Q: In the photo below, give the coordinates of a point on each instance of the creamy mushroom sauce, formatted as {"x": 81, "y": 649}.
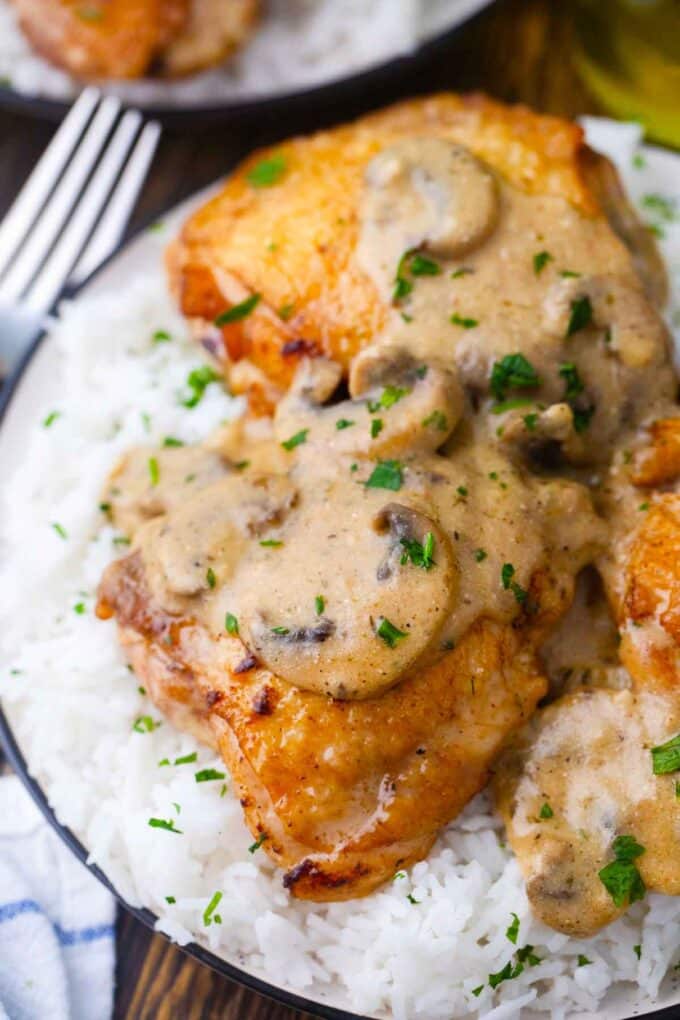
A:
{"x": 317, "y": 543}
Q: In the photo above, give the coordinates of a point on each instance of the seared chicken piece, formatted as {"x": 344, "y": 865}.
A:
{"x": 582, "y": 775}
{"x": 129, "y": 38}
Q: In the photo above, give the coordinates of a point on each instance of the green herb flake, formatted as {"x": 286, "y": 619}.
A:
{"x": 285, "y": 312}
{"x": 281, "y": 631}
{"x": 154, "y": 471}
{"x": 296, "y": 440}
{"x": 387, "y": 474}
{"x": 238, "y": 312}
{"x": 60, "y": 529}
{"x": 638, "y": 951}
{"x": 666, "y": 757}
{"x": 105, "y": 508}
{"x": 569, "y": 274}
{"x": 546, "y": 811}
{"x": 231, "y": 624}
{"x": 161, "y": 336}
{"x": 506, "y": 974}
{"x": 527, "y": 955}
{"x": 399, "y": 875}
{"x": 170, "y": 900}
{"x": 390, "y": 634}
{"x": 462, "y": 491}
{"x": 511, "y": 405}
{"x": 420, "y": 555}
{"x": 639, "y": 162}
{"x": 530, "y": 421}
{"x": 480, "y": 555}
{"x": 416, "y": 264}
{"x": 344, "y": 423}
{"x": 161, "y": 823}
{"x": 580, "y": 316}
{"x": 663, "y": 207}
{"x": 145, "y": 724}
{"x": 644, "y": 506}
{"x": 620, "y": 877}
{"x": 583, "y": 961}
{"x": 267, "y": 172}
{"x": 463, "y": 271}
{"x": 573, "y": 382}
{"x": 436, "y": 420}
{"x": 411, "y": 898}
{"x": 198, "y": 381}
{"x": 541, "y": 260}
{"x": 463, "y": 321}
{"x": 241, "y": 465}
{"x": 208, "y": 775}
{"x": 186, "y": 759}
{"x": 513, "y": 372}
{"x": 319, "y": 604}
{"x": 162, "y": 762}
{"x": 508, "y": 582}
{"x": 271, "y": 543}
{"x": 79, "y": 608}
{"x": 257, "y": 844}
{"x": 421, "y": 265}
{"x": 478, "y": 991}
{"x": 51, "y": 418}
{"x": 388, "y": 398}
{"x": 172, "y": 442}
{"x": 209, "y": 916}
{"x": 376, "y": 427}
{"x": 513, "y": 929}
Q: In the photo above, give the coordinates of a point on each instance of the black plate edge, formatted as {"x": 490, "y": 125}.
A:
{"x": 370, "y": 80}
{"x": 147, "y": 917}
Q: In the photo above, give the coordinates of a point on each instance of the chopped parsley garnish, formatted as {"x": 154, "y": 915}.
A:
{"x": 207, "y": 775}
{"x": 638, "y": 951}
{"x": 257, "y": 844}
{"x": 416, "y": 264}
{"x": 666, "y": 757}
{"x": 513, "y": 372}
{"x": 580, "y": 316}
{"x": 51, "y": 418}
{"x": 480, "y": 554}
{"x": 285, "y": 312}
{"x": 231, "y": 624}
{"x": 387, "y": 474}
{"x": 209, "y": 915}
{"x": 198, "y": 381}
{"x": 161, "y": 823}
{"x": 421, "y": 372}
{"x": 581, "y": 418}
{"x": 583, "y": 961}
{"x": 462, "y": 491}
{"x": 240, "y": 311}
{"x": 478, "y": 991}
{"x": 105, "y": 508}
{"x": 420, "y": 555}
{"x": 60, "y": 529}
{"x": 79, "y": 608}
{"x": 436, "y": 420}
{"x": 390, "y": 634}
{"x": 399, "y": 874}
{"x": 569, "y": 274}
{"x": 186, "y": 759}
{"x": 344, "y": 423}
{"x": 462, "y": 320}
{"x": 121, "y": 540}
{"x": 267, "y": 172}
{"x": 620, "y": 877}
{"x": 665, "y": 208}
{"x": 161, "y": 336}
{"x": 639, "y": 161}
{"x": 526, "y": 955}
{"x": 319, "y": 604}
{"x": 506, "y": 974}
{"x": 507, "y": 575}
{"x": 573, "y": 387}
{"x": 296, "y": 440}
{"x": 241, "y": 465}
{"x": 145, "y": 724}
{"x": 170, "y": 900}
{"x": 546, "y": 811}
{"x": 510, "y": 405}
{"x": 271, "y": 543}
{"x": 154, "y": 471}
{"x": 411, "y": 898}
{"x": 171, "y": 441}
{"x": 281, "y": 631}
{"x": 513, "y": 930}
{"x": 463, "y": 271}
{"x": 389, "y": 396}
{"x": 530, "y": 421}
{"x": 573, "y": 381}
{"x": 541, "y": 260}
{"x": 376, "y": 427}
{"x": 210, "y": 577}
{"x": 644, "y": 506}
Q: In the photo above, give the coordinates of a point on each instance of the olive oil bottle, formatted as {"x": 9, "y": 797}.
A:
{"x": 628, "y": 53}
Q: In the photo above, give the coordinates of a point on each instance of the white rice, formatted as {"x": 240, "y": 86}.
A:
{"x": 298, "y": 44}
{"x": 72, "y": 704}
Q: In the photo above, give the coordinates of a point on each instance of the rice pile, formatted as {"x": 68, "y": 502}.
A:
{"x": 298, "y": 44}
{"x": 421, "y": 947}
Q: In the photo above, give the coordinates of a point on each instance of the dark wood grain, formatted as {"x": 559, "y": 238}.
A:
{"x": 517, "y": 50}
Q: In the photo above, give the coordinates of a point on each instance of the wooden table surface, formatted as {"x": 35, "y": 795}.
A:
{"x": 517, "y": 50}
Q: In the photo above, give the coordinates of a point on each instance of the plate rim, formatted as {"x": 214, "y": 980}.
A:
{"x": 20, "y": 767}
{"x": 344, "y": 86}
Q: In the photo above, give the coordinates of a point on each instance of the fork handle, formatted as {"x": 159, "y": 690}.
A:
{"x": 19, "y": 327}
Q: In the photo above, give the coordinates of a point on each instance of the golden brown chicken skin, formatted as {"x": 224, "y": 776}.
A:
{"x": 130, "y": 38}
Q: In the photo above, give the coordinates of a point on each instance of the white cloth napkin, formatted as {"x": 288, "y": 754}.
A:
{"x": 56, "y": 922}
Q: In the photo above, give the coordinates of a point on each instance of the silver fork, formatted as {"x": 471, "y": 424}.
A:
{"x": 70, "y": 214}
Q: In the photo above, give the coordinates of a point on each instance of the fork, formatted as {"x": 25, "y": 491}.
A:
{"x": 70, "y": 214}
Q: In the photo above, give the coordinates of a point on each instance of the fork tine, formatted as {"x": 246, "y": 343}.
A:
{"x": 112, "y": 225}
{"x": 31, "y": 198}
{"x": 60, "y": 203}
{"x": 50, "y": 279}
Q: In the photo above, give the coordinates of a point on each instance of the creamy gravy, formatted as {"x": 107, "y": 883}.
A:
{"x": 349, "y": 541}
